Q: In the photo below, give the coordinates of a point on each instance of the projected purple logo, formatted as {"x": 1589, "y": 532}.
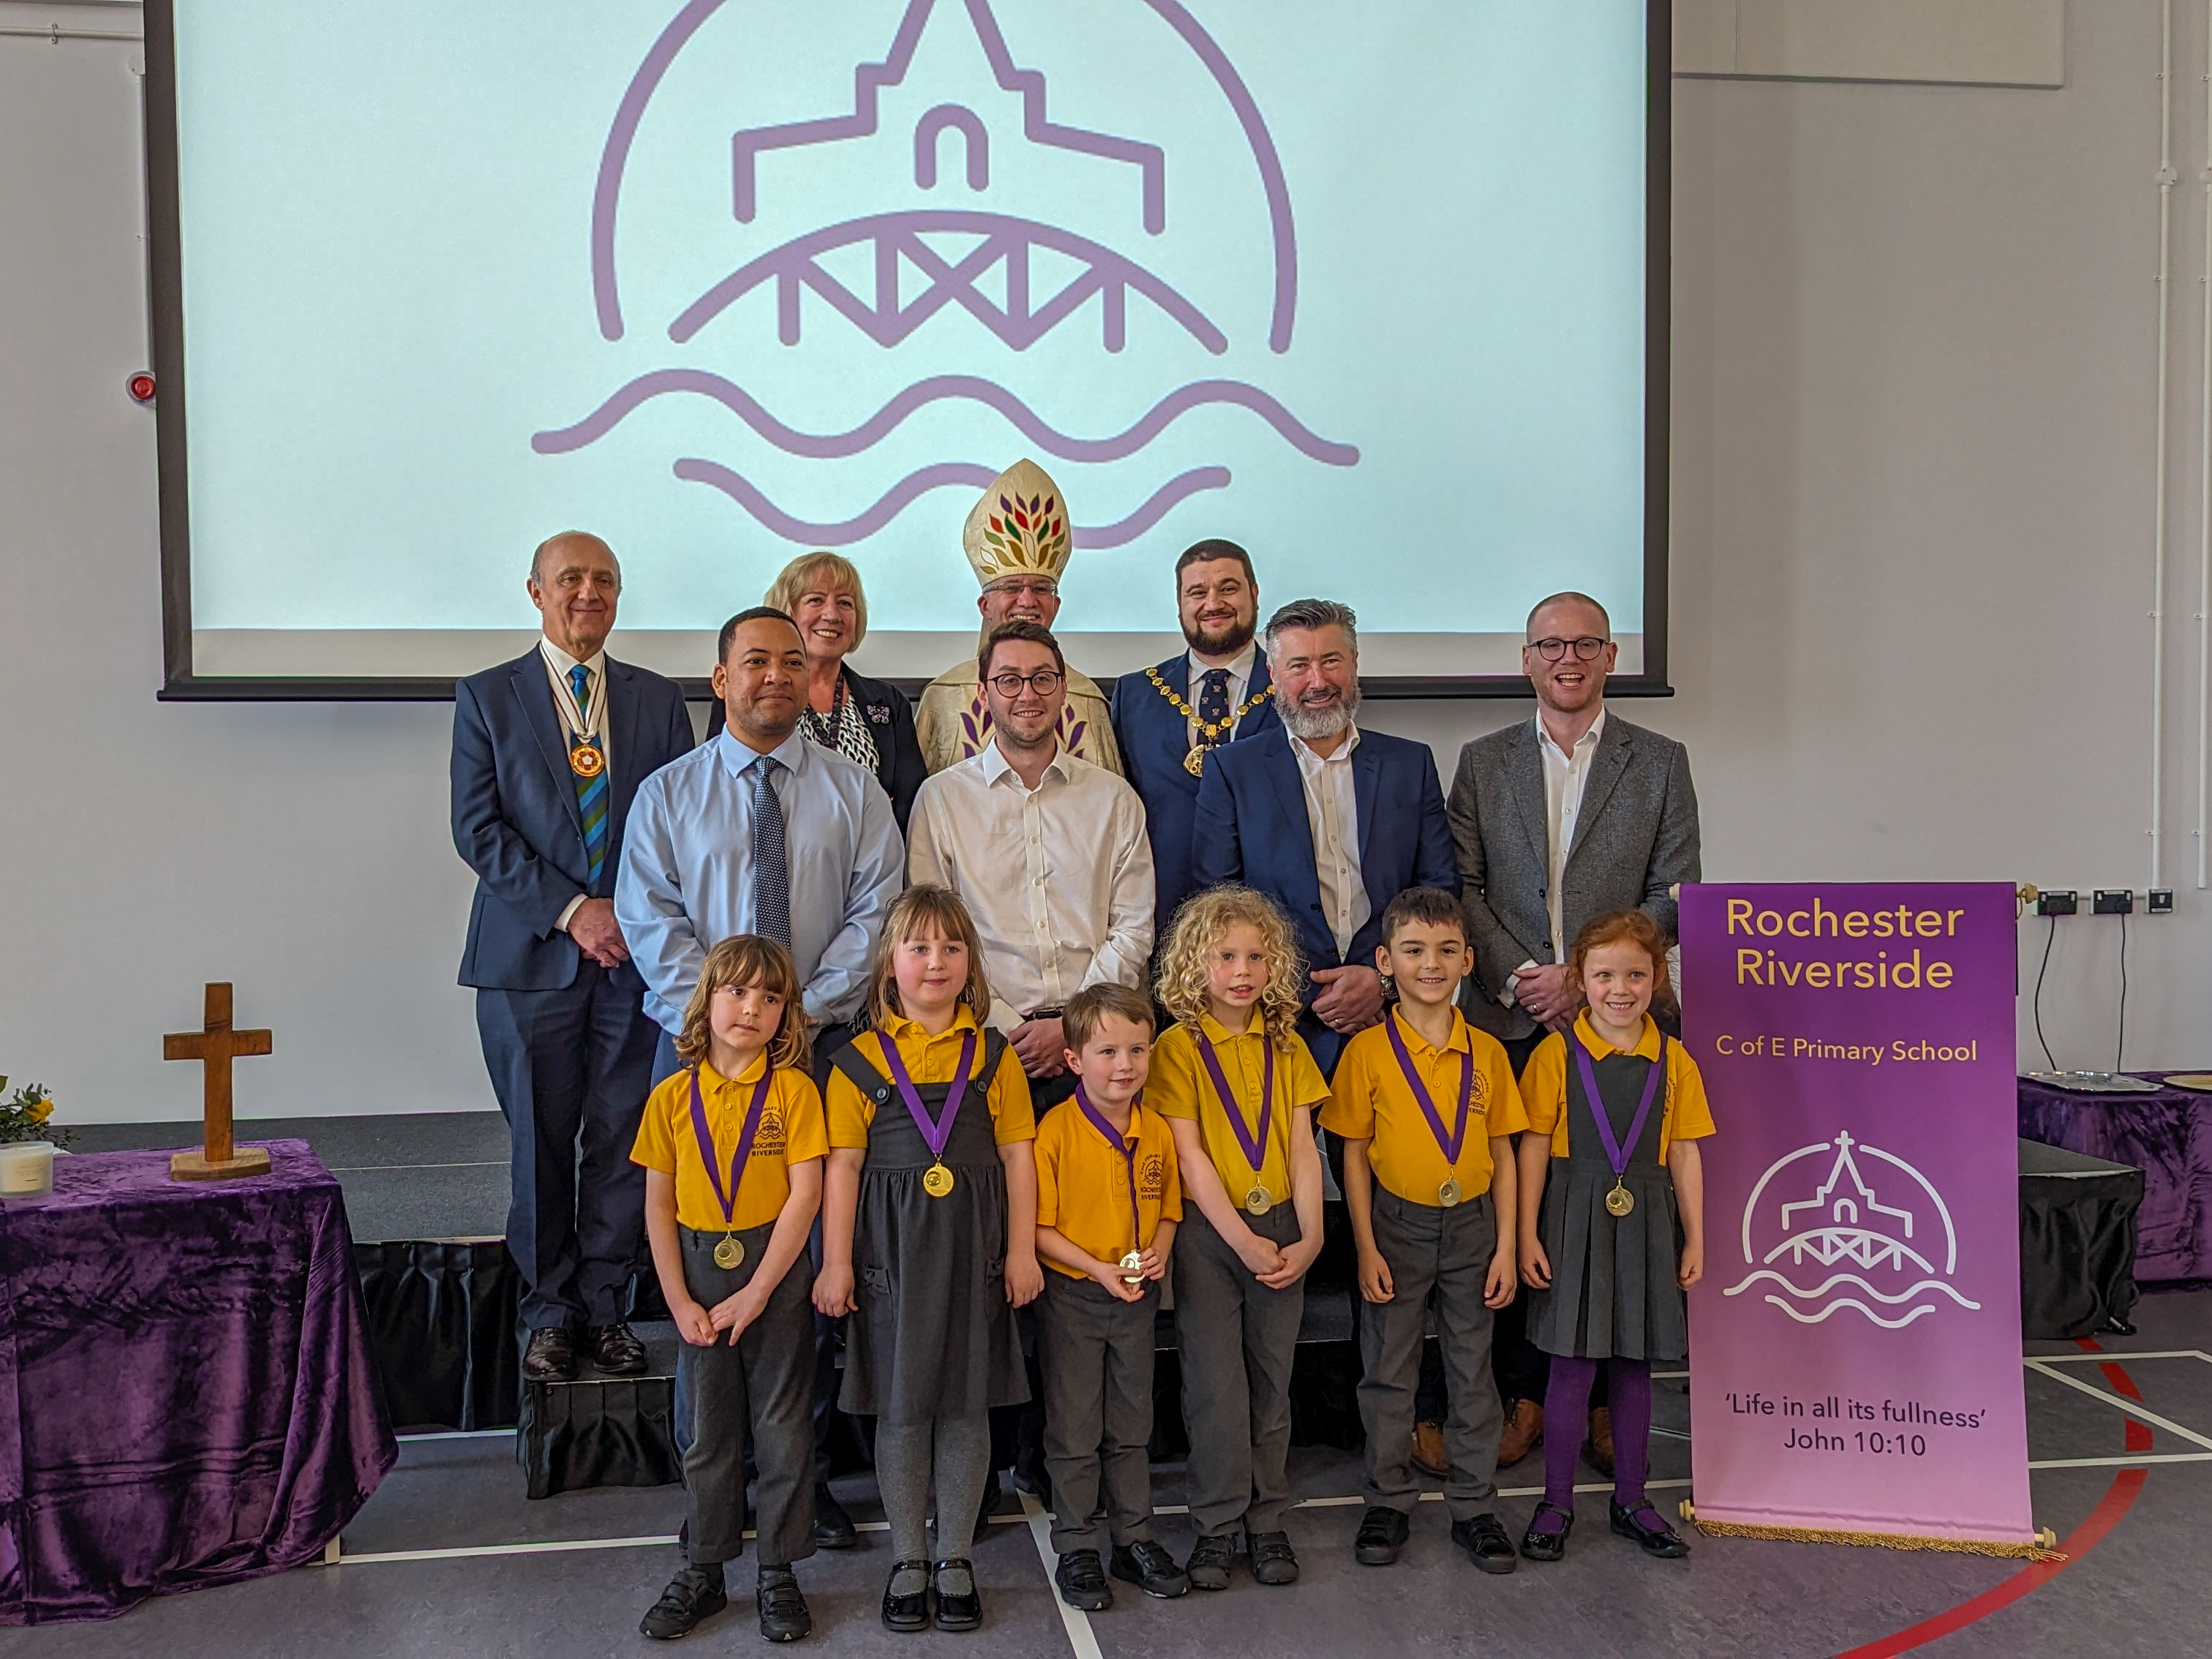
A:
{"x": 987, "y": 274}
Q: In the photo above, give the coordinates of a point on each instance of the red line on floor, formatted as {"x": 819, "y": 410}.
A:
{"x": 2119, "y": 1499}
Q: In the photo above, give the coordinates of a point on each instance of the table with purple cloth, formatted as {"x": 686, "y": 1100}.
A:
{"x": 187, "y": 1393}
{"x": 2167, "y": 1135}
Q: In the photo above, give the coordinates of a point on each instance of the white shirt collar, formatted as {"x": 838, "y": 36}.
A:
{"x": 564, "y": 663}
{"x": 1308, "y": 757}
{"x": 995, "y": 765}
{"x": 1588, "y": 740}
{"x": 1240, "y": 667}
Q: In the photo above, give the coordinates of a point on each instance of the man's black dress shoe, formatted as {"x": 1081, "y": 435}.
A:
{"x": 1650, "y": 1531}
{"x": 907, "y": 1613}
{"x": 1382, "y": 1535}
{"x": 1207, "y": 1568}
{"x": 1149, "y": 1566}
{"x": 1273, "y": 1560}
{"x": 696, "y": 1593}
{"x": 1539, "y": 1545}
{"x": 833, "y": 1527}
{"x": 783, "y": 1615}
{"x": 615, "y": 1350}
{"x": 1485, "y": 1543}
{"x": 551, "y": 1355}
{"x": 1081, "y": 1582}
{"x": 956, "y": 1611}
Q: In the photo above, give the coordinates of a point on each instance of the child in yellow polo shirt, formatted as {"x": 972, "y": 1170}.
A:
{"x": 733, "y": 1148}
{"x": 1237, "y": 1083}
{"x": 1108, "y": 1203}
{"x": 1426, "y": 1108}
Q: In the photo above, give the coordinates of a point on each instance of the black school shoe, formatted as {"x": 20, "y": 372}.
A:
{"x": 907, "y": 1613}
{"x": 1149, "y": 1566}
{"x": 783, "y": 1609}
{"x": 1081, "y": 1582}
{"x": 956, "y": 1611}
{"x": 833, "y": 1527}
{"x": 1547, "y": 1546}
{"x": 1485, "y": 1543}
{"x": 1207, "y": 1568}
{"x": 694, "y": 1594}
{"x": 1382, "y": 1535}
{"x": 1274, "y": 1561}
{"x": 1650, "y": 1529}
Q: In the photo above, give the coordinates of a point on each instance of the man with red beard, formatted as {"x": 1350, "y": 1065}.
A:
{"x": 1169, "y": 718}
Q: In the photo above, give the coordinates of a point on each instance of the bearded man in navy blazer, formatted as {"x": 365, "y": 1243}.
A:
{"x": 548, "y": 751}
{"x": 1331, "y": 822}
{"x": 1169, "y": 719}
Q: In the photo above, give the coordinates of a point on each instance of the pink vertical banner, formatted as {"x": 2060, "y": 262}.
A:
{"x": 1854, "y": 1344}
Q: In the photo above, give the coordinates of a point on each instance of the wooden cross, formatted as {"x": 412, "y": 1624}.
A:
{"x": 215, "y": 1046}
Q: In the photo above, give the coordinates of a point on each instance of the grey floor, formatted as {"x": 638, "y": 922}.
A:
{"x": 450, "y": 1559}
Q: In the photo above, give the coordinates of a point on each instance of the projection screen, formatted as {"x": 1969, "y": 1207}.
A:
{"x": 1378, "y": 291}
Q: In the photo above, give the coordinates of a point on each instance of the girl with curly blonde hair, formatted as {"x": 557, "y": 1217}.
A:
{"x": 1239, "y": 1089}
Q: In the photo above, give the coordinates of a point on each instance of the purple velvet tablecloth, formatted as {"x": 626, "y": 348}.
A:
{"x": 187, "y": 1393}
{"x": 2168, "y": 1136}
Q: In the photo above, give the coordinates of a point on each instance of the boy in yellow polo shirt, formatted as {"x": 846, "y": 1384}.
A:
{"x": 1108, "y": 1203}
{"x": 1426, "y": 1106}
{"x": 732, "y": 1147}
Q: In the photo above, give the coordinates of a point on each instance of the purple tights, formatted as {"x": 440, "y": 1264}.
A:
{"x": 1567, "y": 1405}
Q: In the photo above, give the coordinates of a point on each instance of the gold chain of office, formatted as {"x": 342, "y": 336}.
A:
{"x": 1210, "y": 732}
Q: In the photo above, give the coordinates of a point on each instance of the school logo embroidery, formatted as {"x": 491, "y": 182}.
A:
{"x": 1152, "y": 1176}
{"x": 983, "y": 206}
{"x": 1808, "y": 1221}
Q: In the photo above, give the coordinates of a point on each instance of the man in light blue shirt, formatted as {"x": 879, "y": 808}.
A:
{"x": 814, "y": 861}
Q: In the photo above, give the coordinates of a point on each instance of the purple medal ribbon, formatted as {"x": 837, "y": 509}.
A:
{"x": 1613, "y": 1152}
{"x": 743, "y": 1156}
{"x": 1449, "y": 1143}
{"x": 935, "y": 1132}
{"x": 1128, "y": 1158}
{"x": 1254, "y": 1146}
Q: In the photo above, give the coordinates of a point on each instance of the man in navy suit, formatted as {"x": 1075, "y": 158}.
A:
{"x": 1332, "y": 821}
{"x": 1169, "y": 719}
{"x": 548, "y": 751}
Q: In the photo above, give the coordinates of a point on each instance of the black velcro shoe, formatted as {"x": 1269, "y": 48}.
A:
{"x": 1543, "y": 1545}
{"x": 1207, "y": 1568}
{"x": 956, "y": 1611}
{"x": 907, "y": 1613}
{"x": 1274, "y": 1561}
{"x": 615, "y": 1350}
{"x": 1650, "y": 1529}
{"x": 551, "y": 1356}
{"x": 695, "y": 1594}
{"x": 1485, "y": 1543}
{"x": 1382, "y": 1535}
{"x": 1082, "y": 1582}
{"x": 1149, "y": 1566}
{"x": 783, "y": 1615}
{"x": 833, "y": 1527}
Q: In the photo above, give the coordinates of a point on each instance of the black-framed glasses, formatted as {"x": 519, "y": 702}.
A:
{"x": 1044, "y": 682}
{"x": 1586, "y": 648}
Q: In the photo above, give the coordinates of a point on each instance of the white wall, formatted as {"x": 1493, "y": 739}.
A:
{"x": 1913, "y": 413}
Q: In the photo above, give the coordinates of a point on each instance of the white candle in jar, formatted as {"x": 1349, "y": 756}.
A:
{"x": 26, "y": 1168}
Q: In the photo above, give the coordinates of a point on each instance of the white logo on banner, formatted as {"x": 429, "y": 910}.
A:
{"x": 1844, "y": 1222}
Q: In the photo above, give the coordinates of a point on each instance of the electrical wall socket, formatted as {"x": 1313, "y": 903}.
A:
{"x": 2162, "y": 901}
{"x": 2060, "y": 902}
{"x": 2114, "y": 902}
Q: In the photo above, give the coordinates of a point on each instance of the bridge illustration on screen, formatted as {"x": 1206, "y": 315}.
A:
{"x": 1876, "y": 1239}
{"x": 1005, "y": 263}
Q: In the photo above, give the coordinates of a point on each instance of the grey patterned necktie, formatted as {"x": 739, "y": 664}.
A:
{"x": 771, "y": 867}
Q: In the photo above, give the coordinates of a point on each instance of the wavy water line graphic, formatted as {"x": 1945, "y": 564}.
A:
{"x": 941, "y": 388}
{"x": 1834, "y": 1280}
{"x": 1850, "y": 1302}
{"x": 944, "y": 475}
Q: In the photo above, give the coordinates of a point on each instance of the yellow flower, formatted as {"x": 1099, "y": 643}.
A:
{"x": 39, "y": 1108}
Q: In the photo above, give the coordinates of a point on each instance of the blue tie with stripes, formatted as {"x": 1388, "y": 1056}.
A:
{"x": 591, "y": 792}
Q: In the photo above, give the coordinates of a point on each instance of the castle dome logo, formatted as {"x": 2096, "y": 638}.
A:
{"x": 1873, "y": 1225}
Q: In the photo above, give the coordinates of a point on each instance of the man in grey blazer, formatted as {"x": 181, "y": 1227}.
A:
{"x": 1556, "y": 820}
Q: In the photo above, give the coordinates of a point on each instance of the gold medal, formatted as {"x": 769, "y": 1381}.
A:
{"x": 585, "y": 760}
{"x": 937, "y": 1180}
{"x": 1619, "y": 1200}
{"x": 1194, "y": 762}
{"x": 1256, "y": 1202}
{"x": 1132, "y": 1268}
{"x": 729, "y": 1254}
{"x": 1449, "y": 1194}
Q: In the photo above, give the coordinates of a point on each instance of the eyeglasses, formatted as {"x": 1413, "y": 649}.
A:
{"x": 1044, "y": 682}
{"x": 1586, "y": 649}
{"x": 1040, "y": 587}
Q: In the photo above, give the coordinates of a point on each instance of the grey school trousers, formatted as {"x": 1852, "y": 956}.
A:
{"x": 1097, "y": 1355}
{"x": 1237, "y": 1339}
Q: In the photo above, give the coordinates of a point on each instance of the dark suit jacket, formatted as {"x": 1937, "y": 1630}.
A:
{"x": 1251, "y": 827}
{"x": 1154, "y": 739}
{"x": 1636, "y": 836}
{"x": 890, "y": 716}
{"x": 516, "y": 823}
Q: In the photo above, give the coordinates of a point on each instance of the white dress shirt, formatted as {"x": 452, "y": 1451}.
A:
{"x": 1333, "y": 815}
{"x": 1059, "y": 878}
{"x": 1240, "y": 679}
{"x": 588, "y": 721}
{"x": 1564, "y": 775}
